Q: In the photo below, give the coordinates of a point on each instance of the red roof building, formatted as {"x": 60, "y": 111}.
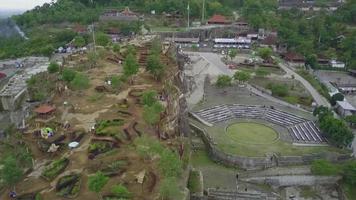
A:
{"x": 218, "y": 19}
{"x": 44, "y": 111}
{"x": 79, "y": 29}
{"x": 270, "y": 40}
{"x": 294, "y": 57}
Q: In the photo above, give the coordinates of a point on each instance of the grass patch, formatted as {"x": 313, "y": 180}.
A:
{"x": 109, "y": 127}
{"x": 350, "y": 190}
{"x": 252, "y": 133}
{"x": 201, "y": 158}
{"x": 95, "y": 97}
{"x": 325, "y": 168}
{"x": 288, "y": 90}
{"x": 194, "y": 182}
{"x": 55, "y": 168}
{"x": 308, "y": 192}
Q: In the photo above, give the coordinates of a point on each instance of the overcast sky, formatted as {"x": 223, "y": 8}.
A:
{"x": 21, "y": 4}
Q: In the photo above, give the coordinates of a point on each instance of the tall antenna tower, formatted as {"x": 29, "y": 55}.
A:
{"x": 188, "y": 8}
{"x": 203, "y": 12}
{"x": 93, "y": 30}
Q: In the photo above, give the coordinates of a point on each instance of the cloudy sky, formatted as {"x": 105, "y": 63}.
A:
{"x": 21, "y": 4}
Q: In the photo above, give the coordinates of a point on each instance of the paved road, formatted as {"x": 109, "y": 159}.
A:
{"x": 215, "y": 60}
{"x": 318, "y": 98}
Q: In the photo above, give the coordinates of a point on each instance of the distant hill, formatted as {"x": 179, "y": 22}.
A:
{"x": 4, "y": 13}
{"x": 8, "y": 28}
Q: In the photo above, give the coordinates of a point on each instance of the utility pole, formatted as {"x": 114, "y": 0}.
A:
{"x": 188, "y": 8}
{"x": 93, "y": 30}
{"x": 203, "y": 13}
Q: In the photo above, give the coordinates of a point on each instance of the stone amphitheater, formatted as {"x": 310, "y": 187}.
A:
{"x": 301, "y": 130}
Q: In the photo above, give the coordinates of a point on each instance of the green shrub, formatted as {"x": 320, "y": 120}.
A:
{"x": 324, "y": 168}
{"x": 194, "y": 182}
{"x": 97, "y": 181}
{"x": 149, "y": 98}
{"x": 336, "y": 97}
{"x": 116, "y": 48}
{"x": 55, "y": 168}
{"x": 102, "y": 39}
{"x": 120, "y": 191}
{"x": 223, "y": 81}
{"x": 170, "y": 164}
{"x": 68, "y": 75}
{"x": 116, "y": 82}
{"x": 80, "y": 82}
{"x": 53, "y": 67}
{"x": 279, "y": 90}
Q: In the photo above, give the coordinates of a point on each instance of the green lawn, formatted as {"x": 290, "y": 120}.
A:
{"x": 225, "y": 143}
{"x": 194, "y": 182}
{"x": 350, "y": 191}
{"x": 251, "y": 133}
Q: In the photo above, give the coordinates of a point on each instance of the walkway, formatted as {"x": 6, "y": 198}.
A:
{"x": 318, "y": 98}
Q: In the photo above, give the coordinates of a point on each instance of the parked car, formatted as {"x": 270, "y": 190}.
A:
{"x": 2, "y": 75}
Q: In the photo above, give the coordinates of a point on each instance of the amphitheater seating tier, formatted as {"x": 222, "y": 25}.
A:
{"x": 300, "y": 129}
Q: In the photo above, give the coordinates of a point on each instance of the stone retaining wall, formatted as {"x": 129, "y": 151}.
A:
{"x": 253, "y": 163}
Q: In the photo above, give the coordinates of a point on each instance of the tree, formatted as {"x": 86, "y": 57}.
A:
{"x": 322, "y": 111}
{"x": 79, "y": 41}
{"x": 335, "y": 130}
{"x": 154, "y": 66}
{"x": 130, "y": 65}
{"x": 170, "y": 164}
{"x": 53, "y": 67}
{"x": 149, "y": 98}
{"x": 242, "y": 76}
{"x": 223, "y": 81}
{"x": 336, "y": 97}
{"x": 152, "y": 114}
{"x": 120, "y": 191}
{"x": 265, "y": 52}
{"x": 68, "y": 74}
{"x": 232, "y": 53}
{"x": 97, "y": 181}
{"x": 11, "y": 173}
{"x": 80, "y": 82}
{"x": 311, "y": 61}
{"x": 102, "y": 39}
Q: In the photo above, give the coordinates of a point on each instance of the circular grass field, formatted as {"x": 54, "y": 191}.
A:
{"x": 251, "y": 133}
